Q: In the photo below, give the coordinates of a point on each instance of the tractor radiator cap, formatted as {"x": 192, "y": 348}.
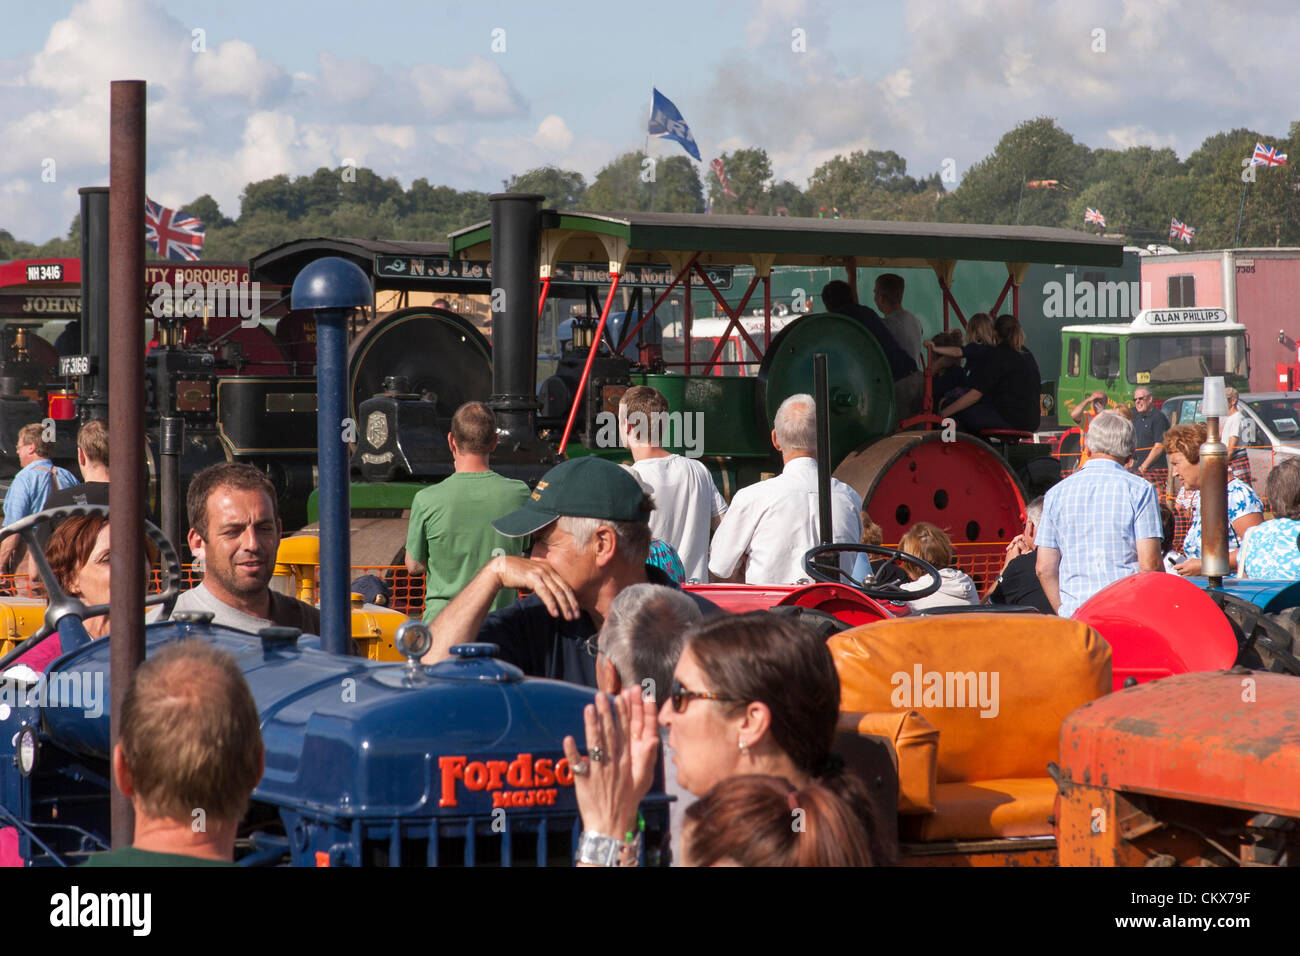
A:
{"x": 274, "y": 638}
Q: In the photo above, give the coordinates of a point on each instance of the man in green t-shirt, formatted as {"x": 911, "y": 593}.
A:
{"x": 188, "y": 757}
{"x": 451, "y": 535}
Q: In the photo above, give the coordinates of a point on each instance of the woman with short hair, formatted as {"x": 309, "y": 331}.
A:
{"x": 1245, "y": 510}
{"x": 1271, "y": 551}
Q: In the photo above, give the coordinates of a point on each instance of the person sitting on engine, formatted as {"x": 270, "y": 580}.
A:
{"x": 235, "y": 533}
{"x": 1271, "y": 551}
{"x": 1004, "y": 386}
{"x": 909, "y": 381}
{"x": 188, "y": 757}
{"x": 931, "y": 544}
{"x": 589, "y": 522}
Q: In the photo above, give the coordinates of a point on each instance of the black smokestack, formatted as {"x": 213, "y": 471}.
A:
{"x": 516, "y": 260}
{"x": 94, "y": 299}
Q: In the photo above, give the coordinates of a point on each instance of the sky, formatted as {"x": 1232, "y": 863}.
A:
{"x": 466, "y": 94}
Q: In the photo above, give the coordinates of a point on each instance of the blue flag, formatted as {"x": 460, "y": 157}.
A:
{"x": 666, "y": 121}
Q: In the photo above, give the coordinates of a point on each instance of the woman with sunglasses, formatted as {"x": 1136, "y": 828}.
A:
{"x": 751, "y": 694}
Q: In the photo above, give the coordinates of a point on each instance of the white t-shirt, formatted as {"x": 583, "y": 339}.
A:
{"x": 776, "y": 521}
{"x": 686, "y": 501}
{"x": 909, "y": 333}
{"x": 1232, "y": 429}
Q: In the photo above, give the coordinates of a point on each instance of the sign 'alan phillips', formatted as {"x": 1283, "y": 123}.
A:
{"x": 522, "y": 782}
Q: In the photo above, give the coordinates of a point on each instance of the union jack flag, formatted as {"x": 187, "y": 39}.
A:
{"x": 1093, "y": 215}
{"x": 1180, "y": 230}
{"x": 1267, "y": 156}
{"x": 173, "y": 234}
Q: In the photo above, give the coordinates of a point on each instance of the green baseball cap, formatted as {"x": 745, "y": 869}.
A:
{"x": 587, "y": 487}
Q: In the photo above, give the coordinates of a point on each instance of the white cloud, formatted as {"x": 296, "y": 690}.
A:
{"x": 235, "y": 69}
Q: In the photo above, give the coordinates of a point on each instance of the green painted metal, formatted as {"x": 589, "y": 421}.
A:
{"x": 861, "y": 387}
{"x": 712, "y": 415}
{"x": 793, "y": 240}
{"x": 975, "y": 286}
{"x": 367, "y": 496}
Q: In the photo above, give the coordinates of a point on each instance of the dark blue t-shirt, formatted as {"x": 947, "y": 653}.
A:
{"x": 900, "y": 363}
{"x": 545, "y": 646}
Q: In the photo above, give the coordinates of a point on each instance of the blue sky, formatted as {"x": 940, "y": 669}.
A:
{"x": 416, "y": 89}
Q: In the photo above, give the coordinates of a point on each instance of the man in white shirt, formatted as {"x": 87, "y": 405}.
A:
{"x": 687, "y": 504}
{"x": 770, "y": 525}
{"x": 905, "y": 327}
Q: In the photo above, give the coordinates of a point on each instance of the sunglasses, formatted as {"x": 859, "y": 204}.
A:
{"x": 680, "y": 696}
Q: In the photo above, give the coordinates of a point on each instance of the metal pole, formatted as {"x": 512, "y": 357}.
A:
{"x": 1214, "y": 505}
{"x": 1236, "y": 240}
{"x": 126, "y": 163}
{"x": 821, "y": 396}
{"x": 335, "y": 524}
{"x": 171, "y": 439}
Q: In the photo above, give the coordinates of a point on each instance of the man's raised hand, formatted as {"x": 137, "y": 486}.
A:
{"x": 540, "y": 578}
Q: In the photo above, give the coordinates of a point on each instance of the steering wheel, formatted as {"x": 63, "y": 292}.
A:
{"x": 63, "y": 605}
{"x": 868, "y": 586}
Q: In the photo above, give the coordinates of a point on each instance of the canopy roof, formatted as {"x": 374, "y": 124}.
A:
{"x": 763, "y": 241}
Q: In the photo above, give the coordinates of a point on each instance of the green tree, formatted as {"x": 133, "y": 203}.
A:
{"x": 787, "y": 199}
{"x": 748, "y": 172}
{"x": 992, "y": 189}
{"x": 207, "y": 210}
{"x": 563, "y": 188}
{"x": 632, "y": 182}
{"x": 870, "y": 185}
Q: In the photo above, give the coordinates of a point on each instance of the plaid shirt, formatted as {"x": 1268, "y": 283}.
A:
{"x": 1095, "y": 519}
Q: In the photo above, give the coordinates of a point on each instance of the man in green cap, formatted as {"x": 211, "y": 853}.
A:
{"x": 590, "y": 525}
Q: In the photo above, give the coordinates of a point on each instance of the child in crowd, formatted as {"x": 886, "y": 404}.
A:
{"x": 929, "y": 543}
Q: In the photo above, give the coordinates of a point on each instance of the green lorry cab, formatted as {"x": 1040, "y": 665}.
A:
{"x": 1169, "y": 351}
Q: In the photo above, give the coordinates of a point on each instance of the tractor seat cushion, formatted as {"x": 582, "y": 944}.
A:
{"x": 1015, "y": 807}
{"x": 913, "y": 743}
{"x": 997, "y": 687}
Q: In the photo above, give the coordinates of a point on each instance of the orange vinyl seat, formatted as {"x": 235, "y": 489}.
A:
{"x": 996, "y": 688}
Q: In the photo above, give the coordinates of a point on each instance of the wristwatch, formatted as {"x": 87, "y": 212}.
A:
{"x": 598, "y": 849}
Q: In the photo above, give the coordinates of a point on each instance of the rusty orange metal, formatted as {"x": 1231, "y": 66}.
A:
{"x": 1230, "y": 738}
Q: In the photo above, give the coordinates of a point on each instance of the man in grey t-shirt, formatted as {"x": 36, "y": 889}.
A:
{"x": 235, "y": 532}
{"x": 906, "y": 328}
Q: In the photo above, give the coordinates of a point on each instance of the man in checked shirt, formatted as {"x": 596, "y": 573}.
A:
{"x": 1100, "y": 524}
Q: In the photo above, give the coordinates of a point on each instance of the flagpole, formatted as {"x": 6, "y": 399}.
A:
{"x": 1237, "y": 239}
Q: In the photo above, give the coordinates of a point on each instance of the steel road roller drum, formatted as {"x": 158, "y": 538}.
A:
{"x": 861, "y": 386}
{"x": 963, "y": 486}
{"x": 436, "y": 351}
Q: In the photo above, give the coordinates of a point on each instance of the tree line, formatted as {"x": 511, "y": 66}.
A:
{"x": 1036, "y": 175}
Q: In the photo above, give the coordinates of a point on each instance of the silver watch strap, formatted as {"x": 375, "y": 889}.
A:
{"x": 598, "y": 849}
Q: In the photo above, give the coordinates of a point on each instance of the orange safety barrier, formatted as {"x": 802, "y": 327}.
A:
{"x": 406, "y": 589}
{"x": 982, "y": 560}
